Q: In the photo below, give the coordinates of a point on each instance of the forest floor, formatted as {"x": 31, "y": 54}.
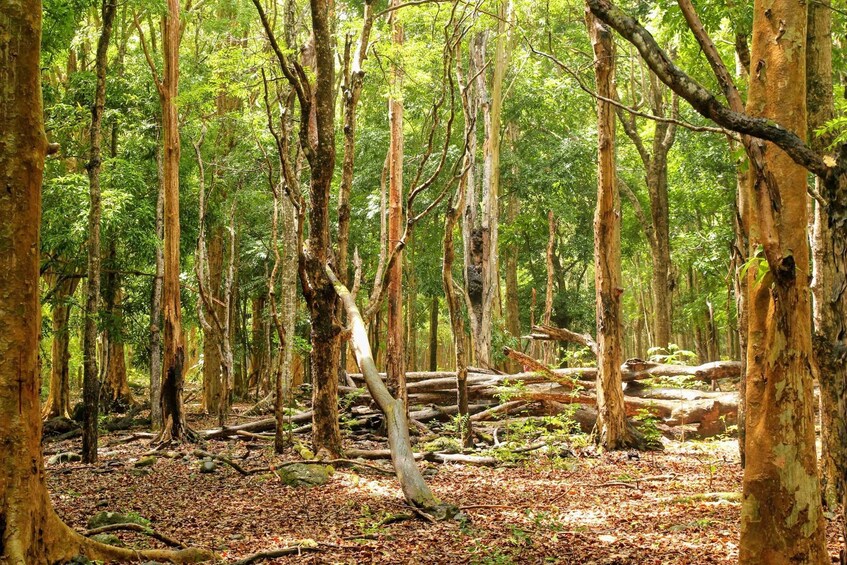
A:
{"x": 676, "y": 506}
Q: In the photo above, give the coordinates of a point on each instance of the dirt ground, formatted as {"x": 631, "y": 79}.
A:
{"x": 677, "y": 506}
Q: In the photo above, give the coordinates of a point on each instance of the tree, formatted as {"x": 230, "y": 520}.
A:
{"x": 317, "y": 141}
{"x": 174, "y": 427}
{"x": 657, "y": 229}
{"x": 30, "y": 531}
{"x": 782, "y": 519}
{"x": 395, "y": 349}
{"x": 90, "y": 378}
{"x": 612, "y": 432}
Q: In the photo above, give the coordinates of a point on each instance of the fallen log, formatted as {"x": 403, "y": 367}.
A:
{"x": 552, "y": 333}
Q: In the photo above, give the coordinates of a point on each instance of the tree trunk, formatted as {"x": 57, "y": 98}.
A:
{"x": 59, "y": 401}
{"x": 258, "y": 361}
{"x": 90, "y": 382}
{"x": 828, "y": 269}
{"x": 781, "y": 516}
{"x": 395, "y": 350}
{"x": 173, "y": 360}
{"x": 513, "y": 319}
{"x": 212, "y": 339}
{"x": 612, "y": 432}
{"x": 156, "y": 304}
{"x": 115, "y": 392}
{"x": 415, "y": 489}
{"x": 433, "y": 334}
{"x": 30, "y": 531}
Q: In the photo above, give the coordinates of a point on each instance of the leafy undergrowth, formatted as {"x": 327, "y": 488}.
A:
{"x": 677, "y": 506}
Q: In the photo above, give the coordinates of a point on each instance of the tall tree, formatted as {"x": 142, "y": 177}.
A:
{"x": 657, "y": 229}
{"x": 611, "y": 415}
{"x": 828, "y": 273}
{"x": 395, "y": 346}
{"x": 30, "y": 531}
{"x": 174, "y": 427}
{"x": 317, "y": 141}
{"x": 782, "y": 520}
{"x": 90, "y": 378}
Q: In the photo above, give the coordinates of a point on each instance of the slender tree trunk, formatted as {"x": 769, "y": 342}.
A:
{"x": 258, "y": 361}
{"x": 781, "y": 516}
{"x": 612, "y": 432}
{"x": 433, "y": 334}
{"x": 156, "y": 305}
{"x": 513, "y": 319}
{"x": 212, "y": 338}
{"x": 59, "y": 401}
{"x": 90, "y": 383}
{"x": 173, "y": 360}
{"x": 395, "y": 347}
{"x": 548, "y": 348}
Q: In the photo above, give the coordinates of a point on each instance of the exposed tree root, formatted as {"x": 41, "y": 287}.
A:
{"x": 68, "y": 543}
{"x": 132, "y": 527}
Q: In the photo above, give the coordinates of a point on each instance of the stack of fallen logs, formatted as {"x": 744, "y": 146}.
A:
{"x": 680, "y": 412}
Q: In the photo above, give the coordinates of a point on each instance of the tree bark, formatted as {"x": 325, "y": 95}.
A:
{"x": 828, "y": 269}
{"x": 114, "y": 392}
{"x": 212, "y": 338}
{"x": 781, "y": 519}
{"x": 156, "y": 304}
{"x": 90, "y": 381}
{"x": 612, "y": 432}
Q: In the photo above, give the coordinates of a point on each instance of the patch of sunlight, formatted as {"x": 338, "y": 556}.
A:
{"x": 589, "y": 517}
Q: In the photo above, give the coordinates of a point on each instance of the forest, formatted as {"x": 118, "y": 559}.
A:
{"x": 423, "y": 281}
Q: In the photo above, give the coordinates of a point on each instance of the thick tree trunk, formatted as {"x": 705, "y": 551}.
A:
{"x": 30, "y": 531}
{"x": 781, "y": 517}
{"x": 90, "y": 381}
{"x": 612, "y": 432}
{"x": 59, "y": 401}
{"x": 395, "y": 347}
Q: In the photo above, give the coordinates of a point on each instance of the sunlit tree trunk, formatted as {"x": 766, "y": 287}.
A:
{"x": 173, "y": 359}
{"x": 433, "y": 334}
{"x": 781, "y": 516}
{"x": 612, "y": 432}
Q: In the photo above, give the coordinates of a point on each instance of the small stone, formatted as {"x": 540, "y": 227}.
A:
{"x": 147, "y": 461}
{"x": 172, "y": 454}
{"x": 139, "y": 472}
{"x": 207, "y": 466}
{"x": 67, "y": 457}
{"x": 109, "y": 518}
{"x": 304, "y": 474}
